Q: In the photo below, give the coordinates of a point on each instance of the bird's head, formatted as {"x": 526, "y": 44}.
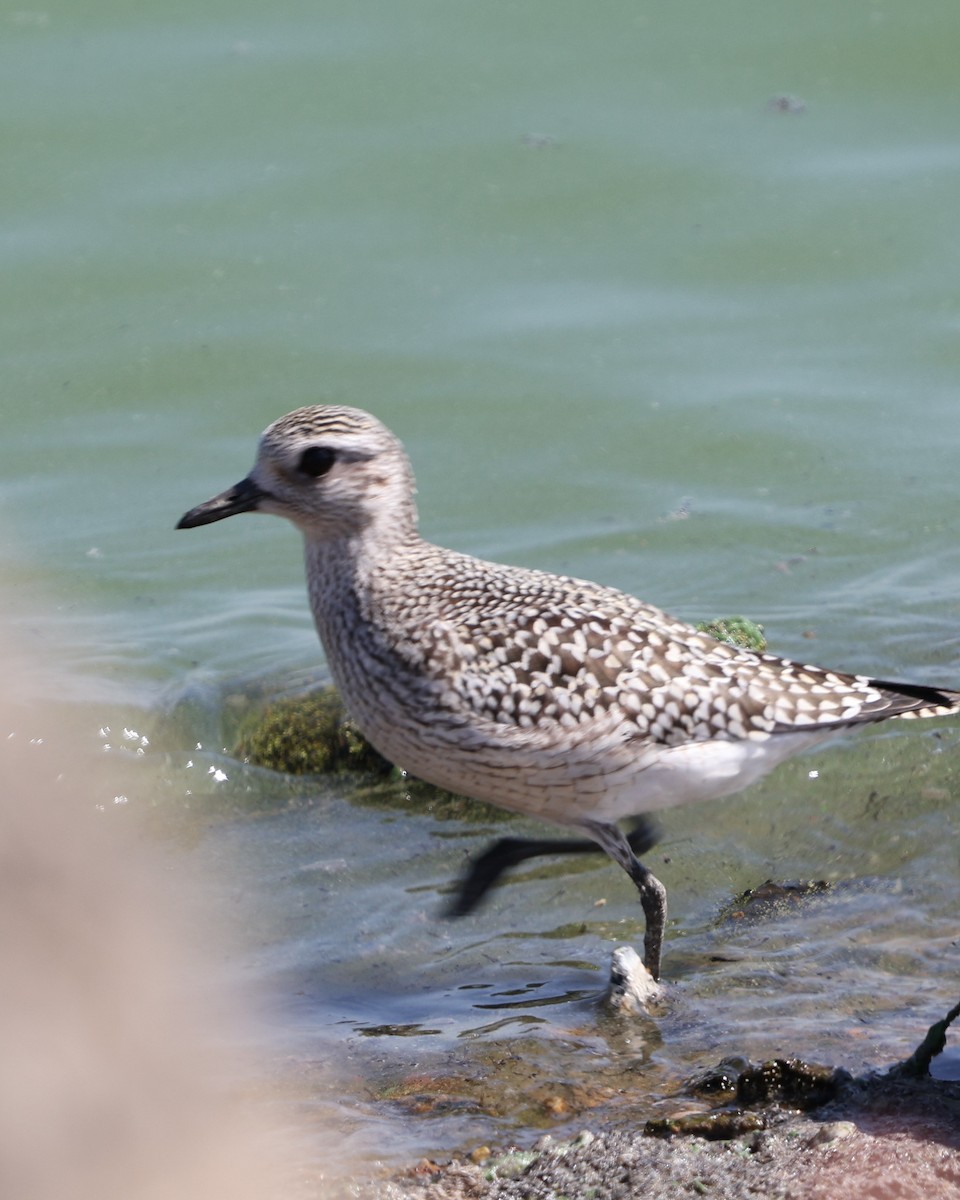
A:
{"x": 335, "y": 472}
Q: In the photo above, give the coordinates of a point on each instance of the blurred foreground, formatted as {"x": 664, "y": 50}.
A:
{"x": 117, "y": 1082}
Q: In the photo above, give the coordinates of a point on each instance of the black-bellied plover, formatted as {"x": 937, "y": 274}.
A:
{"x": 543, "y": 694}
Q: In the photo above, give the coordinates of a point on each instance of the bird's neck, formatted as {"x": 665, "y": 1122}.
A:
{"x": 345, "y": 576}
{"x": 350, "y": 589}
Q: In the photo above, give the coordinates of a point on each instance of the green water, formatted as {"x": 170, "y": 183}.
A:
{"x": 661, "y": 296}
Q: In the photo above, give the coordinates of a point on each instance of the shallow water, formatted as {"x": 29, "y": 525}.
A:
{"x": 634, "y": 322}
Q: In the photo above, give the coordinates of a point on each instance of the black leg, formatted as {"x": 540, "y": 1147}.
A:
{"x": 653, "y": 895}
{"x": 486, "y": 868}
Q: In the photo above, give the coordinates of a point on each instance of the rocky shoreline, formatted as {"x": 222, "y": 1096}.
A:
{"x": 886, "y": 1136}
{"x": 785, "y": 1130}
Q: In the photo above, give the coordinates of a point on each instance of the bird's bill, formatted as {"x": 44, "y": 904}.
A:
{"x": 244, "y": 496}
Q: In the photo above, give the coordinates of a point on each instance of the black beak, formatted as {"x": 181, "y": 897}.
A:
{"x": 244, "y": 496}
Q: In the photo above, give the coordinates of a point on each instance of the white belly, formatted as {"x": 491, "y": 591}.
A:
{"x": 603, "y": 781}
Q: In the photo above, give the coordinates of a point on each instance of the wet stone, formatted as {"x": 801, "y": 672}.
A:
{"x": 632, "y": 987}
{"x": 772, "y": 896}
{"x": 713, "y": 1126}
{"x": 791, "y": 1082}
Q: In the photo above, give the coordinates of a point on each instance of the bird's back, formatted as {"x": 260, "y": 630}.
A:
{"x": 551, "y": 694}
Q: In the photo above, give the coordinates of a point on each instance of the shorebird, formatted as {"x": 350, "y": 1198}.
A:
{"x": 543, "y": 694}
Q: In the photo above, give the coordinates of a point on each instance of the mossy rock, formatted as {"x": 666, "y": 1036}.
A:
{"x": 736, "y": 631}
{"x": 307, "y": 735}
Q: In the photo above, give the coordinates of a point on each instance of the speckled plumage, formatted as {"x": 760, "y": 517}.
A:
{"x": 542, "y": 693}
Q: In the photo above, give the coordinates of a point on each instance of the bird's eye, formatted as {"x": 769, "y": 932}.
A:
{"x": 317, "y": 460}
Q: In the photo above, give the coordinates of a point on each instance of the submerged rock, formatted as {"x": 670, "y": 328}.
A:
{"x": 772, "y": 896}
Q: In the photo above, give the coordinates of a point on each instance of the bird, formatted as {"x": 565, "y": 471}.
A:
{"x": 564, "y": 700}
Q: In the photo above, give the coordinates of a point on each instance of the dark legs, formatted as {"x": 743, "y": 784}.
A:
{"x": 487, "y": 868}
{"x": 653, "y": 895}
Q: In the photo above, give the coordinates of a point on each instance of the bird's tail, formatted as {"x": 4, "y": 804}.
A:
{"x": 914, "y": 700}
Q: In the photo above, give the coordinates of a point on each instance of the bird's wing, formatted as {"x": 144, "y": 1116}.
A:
{"x": 574, "y": 665}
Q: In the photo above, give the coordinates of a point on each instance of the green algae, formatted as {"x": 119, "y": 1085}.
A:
{"x": 736, "y": 631}
{"x": 307, "y": 735}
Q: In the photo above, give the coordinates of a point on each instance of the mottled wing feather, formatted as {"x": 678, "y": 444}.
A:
{"x": 559, "y": 660}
